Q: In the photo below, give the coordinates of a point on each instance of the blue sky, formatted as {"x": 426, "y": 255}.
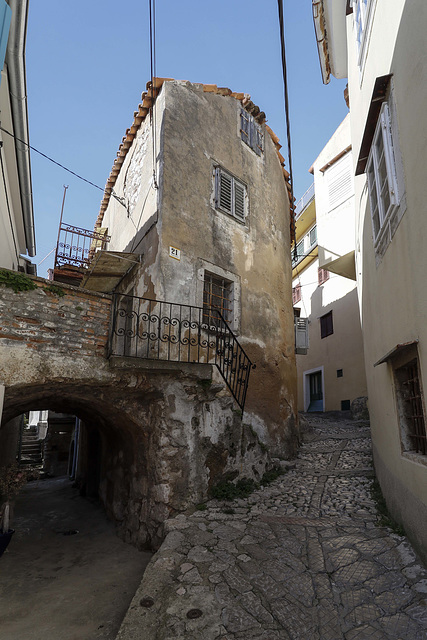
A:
{"x": 88, "y": 63}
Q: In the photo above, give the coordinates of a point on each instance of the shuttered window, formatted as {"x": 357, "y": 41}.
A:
{"x": 230, "y": 195}
{"x": 326, "y": 325}
{"x": 322, "y": 275}
{"x": 251, "y": 132}
{"x": 340, "y": 181}
{"x": 296, "y": 294}
{"x": 301, "y": 335}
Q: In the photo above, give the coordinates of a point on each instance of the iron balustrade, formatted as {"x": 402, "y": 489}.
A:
{"x": 75, "y": 245}
{"x": 159, "y": 330}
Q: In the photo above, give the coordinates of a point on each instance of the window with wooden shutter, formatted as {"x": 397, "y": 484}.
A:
{"x": 326, "y": 325}
{"x": 296, "y": 294}
{"x": 251, "y": 132}
{"x": 230, "y": 195}
{"x": 322, "y": 275}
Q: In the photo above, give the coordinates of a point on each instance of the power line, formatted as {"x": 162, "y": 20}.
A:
{"x": 59, "y": 164}
{"x": 152, "y": 11}
{"x": 288, "y": 123}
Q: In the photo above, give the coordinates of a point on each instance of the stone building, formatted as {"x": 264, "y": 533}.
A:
{"x": 151, "y": 343}
{"x": 210, "y": 224}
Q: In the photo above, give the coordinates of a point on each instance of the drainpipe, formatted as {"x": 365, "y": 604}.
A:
{"x": 15, "y": 59}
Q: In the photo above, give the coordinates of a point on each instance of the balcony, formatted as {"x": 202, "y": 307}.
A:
{"x": 304, "y": 201}
{"x": 165, "y": 331}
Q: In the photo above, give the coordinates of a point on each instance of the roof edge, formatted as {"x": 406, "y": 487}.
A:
{"x": 148, "y": 98}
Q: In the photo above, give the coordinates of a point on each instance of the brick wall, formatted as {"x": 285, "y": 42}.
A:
{"x": 74, "y": 324}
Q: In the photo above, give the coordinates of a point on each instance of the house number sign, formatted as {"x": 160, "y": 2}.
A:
{"x": 175, "y": 253}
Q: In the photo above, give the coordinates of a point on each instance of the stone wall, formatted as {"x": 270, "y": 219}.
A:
{"x": 41, "y": 321}
{"x": 161, "y": 434}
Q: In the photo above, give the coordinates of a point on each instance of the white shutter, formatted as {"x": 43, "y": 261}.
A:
{"x": 340, "y": 181}
{"x": 301, "y": 335}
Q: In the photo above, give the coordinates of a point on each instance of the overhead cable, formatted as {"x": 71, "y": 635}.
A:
{"x": 288, "y": 123}
{"x": 58, "y": 164}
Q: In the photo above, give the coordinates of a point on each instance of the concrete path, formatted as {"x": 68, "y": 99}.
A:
{"x": 301, "y": 559}
{"x": 55, "y": 586}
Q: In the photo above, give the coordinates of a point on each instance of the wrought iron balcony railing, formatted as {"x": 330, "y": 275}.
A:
{"x": 157, "y": 330}
{"x": 75, "y": 245}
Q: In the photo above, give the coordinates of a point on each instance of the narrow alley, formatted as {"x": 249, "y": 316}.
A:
{"x": 66, "y": 575}
{"x": 303, "y": 558}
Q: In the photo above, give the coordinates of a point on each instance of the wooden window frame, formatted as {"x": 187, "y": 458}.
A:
{"x": 215, "y": 300}
{"x": 326, "y": 325}
{"x": 296, "y": 294}
{"x": 251, "y": 132}
{"x": 322, "y": 275}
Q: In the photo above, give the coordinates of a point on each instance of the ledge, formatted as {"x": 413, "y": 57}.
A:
{"x": 197, "y": 370}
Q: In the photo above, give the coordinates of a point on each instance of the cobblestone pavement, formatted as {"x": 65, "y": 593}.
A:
{"x": 300, "y": 559}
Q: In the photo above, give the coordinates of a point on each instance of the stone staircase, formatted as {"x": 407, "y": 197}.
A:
{"x": 31, "y": 449}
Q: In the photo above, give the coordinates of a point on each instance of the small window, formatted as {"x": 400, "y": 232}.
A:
{"x": 251, "y": 132}
{"x": 362, "y": 11}
{"x": 326, "y": 325}
{"x": 410, "y": 404}
{"x": 384, "y": 171}
{"x": 313, "y": 236}
{"x": 345, "y": 405}
{"x": 217, "y": 297}
{"x": 296, "y": 294}
{"x": 230, "y": 195}
{"x": 339, "y": 373}
{"x": 322, "y": 275}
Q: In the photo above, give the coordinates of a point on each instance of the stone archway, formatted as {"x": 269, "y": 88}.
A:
{"x": 169, "y": 430}
{"x": 113, "y": 464}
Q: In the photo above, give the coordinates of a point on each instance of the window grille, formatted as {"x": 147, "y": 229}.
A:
{"x": 217, "y": 296}
{"x": 326, "y": 325}
{"x": 414, "y": 407}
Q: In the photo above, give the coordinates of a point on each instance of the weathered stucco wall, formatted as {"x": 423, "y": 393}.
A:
{"x": 202, "y": 130}
{"x": 197, "y": 130}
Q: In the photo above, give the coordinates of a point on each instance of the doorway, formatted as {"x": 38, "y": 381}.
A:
{"x": 314, "y": 390}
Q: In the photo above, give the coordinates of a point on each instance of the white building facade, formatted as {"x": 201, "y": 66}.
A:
{"x": 380, "y": 46}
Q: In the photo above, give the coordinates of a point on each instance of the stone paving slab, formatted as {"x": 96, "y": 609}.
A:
{"x": 300, "y": 559}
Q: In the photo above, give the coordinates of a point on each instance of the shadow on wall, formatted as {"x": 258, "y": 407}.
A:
{"x": 339, "y": 354}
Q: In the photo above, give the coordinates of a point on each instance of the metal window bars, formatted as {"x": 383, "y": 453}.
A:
{"x": 416, "y": 412}
{"x": 216, "y": 296}
{"x": 159, "y": 330}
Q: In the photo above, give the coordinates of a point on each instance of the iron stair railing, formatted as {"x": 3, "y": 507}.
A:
{"x": 159, "y": 330}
